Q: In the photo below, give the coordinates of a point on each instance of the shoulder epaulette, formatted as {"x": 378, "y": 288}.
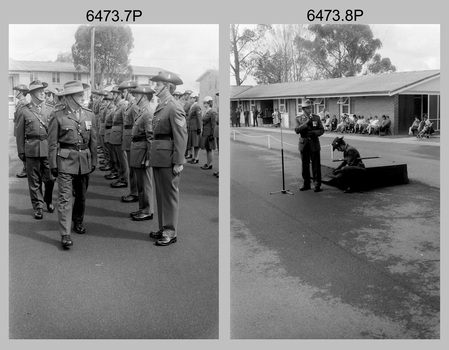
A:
{"x": 59, "y": 107}
{"x": 86, "y": 109}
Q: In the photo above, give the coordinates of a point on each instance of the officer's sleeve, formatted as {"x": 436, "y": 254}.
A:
{"x": 179, "y": 129}
{"x": 149, "y": 129}
{"x": 93, "y": 145}
{"x": 53, "y": 132}
{"x": 20, "y": 136}
{"x": 199, "y": 117}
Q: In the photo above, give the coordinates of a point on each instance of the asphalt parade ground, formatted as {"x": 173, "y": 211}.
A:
{"x": 331, "y": 265}
{"x": 114, "y": 283}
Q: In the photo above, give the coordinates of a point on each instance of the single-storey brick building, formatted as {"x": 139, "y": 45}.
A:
{"x": 401, "y": 96}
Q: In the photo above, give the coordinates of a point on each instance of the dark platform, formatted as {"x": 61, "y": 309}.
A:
{"x": 380, "y": 173}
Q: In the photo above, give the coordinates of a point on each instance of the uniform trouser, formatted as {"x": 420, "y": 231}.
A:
{"x": 132, "y": 178}
{"x": 38, "y": 172}
{"x": 122, "y": 163}
{"x": 112, "y": 160}
{"x": 351, "y": 176}
{"x": 71, "y": 207}
{"x": 105, "y": 149}
{"x": 306, "y": 157}
{"x": 167, "y": 198}
{"x": 144, "y": 177}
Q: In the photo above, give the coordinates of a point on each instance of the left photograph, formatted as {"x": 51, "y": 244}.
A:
{"x": 113, "y": 181}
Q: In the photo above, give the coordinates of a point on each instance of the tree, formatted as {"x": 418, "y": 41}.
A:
{"x": 341, "y": 50}
{"x": 380, "y": 65}
{"x": 243, "y": 48}
{"x": 269, "y": 69}
{"x": 113, "y": 44}
{"x": 64, "y": 57}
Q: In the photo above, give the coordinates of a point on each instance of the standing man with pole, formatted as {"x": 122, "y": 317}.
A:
{"x": 72, "y": 157}
{"x": 309, "y": 127}
{"x": 167, "y": 156}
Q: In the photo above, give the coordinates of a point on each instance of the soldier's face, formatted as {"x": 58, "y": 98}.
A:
{"x": 79, "y": 97}
{"x": 159, "y": 87}
{"x": 40, "y": 94}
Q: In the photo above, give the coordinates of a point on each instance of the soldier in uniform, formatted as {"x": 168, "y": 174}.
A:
{"x": 130, "y": 116}
{"x": 194, "y": 124}
{"x": 32, "y": 146}
{"x": 309, "y": 127}
{"x": 109, "y": 115}
{"x": 116, "y": 137}
{"x": 142, "y": 136}
{"x": 72, "y": 157}
{"x": 177, "y": 95}
{"x": 106, "y": 100}
{"x": 167, "y": 156}
{"x": 22, "y": 91}
{"x": 351, "y": 172}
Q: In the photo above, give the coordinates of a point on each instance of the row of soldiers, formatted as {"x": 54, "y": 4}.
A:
{"x": 61, "y": 142}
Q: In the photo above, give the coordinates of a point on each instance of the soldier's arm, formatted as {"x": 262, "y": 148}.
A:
{"x": 179, "y": 129}
{"x": 53, "y": 132}
{"x": 319, "y": 131}
{"x": 199, "y": 118}
{"x": 20, "y": 137}
{"x": 149, "y": 133}
{"x": 93, "y": 145}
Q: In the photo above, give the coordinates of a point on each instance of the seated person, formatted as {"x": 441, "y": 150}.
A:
{"x": 342, "y": 125}
{"x": 415, "y": 126}
{"x": 334, "y": 122}
{"x": 327, "y": 123}
{"x": 352, "y": 119}
{"x": 373, "y": 126}
{"x": 384, "y": 125}
{"x": 351, "y": 172}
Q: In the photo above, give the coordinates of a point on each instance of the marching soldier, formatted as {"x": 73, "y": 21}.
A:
{"x": 351, "y": 172}
{"x": 72, "y": 157}
{"x": 167, "y": 156}
{"x": 309, "y": 127}
{"x": 32, "y": 146}
{"x": 22, "y": 91}
{"x": 130, "y": 116}
{"x": 142, "y": 136}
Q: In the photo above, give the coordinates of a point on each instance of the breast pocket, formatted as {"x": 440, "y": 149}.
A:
{"x": 67, "y": 130}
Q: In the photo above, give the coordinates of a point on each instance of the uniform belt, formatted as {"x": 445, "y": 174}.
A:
{"x": 108, "y": 126}
{"x": 36, "y": 137}
{"x": 75, "y": 147}
{"x": 163, "y": 137}
{"x": 128, "y": 127}
{"x": 138, "y": 138}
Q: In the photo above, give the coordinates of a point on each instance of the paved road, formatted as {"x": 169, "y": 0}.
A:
{"x": 332, "y": 265}
{"x": 114, "y": 282}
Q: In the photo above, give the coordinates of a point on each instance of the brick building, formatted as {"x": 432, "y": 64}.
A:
{"x": 208, "y": 85}
{"x": 401, "y": 96}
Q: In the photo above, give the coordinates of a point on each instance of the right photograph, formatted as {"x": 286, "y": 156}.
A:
{"x": 335, "y": 181}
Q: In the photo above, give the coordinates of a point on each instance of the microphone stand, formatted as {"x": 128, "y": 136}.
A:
{"x": 283, "y": 191}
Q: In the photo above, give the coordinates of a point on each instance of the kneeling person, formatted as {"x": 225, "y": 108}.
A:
{"x": 351, "y": 172}
{"x": 142, "y": 135}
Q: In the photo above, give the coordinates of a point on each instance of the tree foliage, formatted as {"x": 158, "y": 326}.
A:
{"x": 341, "y": 50}
{"x": 64, "y": 57}
{"x": 379, "y": 65}
{"x": 113, "y": 44}
{"x": 243, "y": 48}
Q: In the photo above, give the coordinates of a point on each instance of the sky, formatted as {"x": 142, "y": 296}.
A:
{"x": 188, "y": 50}
{"x": 410, "y": 47}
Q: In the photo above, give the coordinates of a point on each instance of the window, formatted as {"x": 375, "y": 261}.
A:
{"x": 283, "y": 106}
{"x": 56, "y": 78}
{"x": 33, "y": 76}
{"x": 76, "y": 76}
{"x": 344, "y": 105}
{"x": 434, "y": 111}
{"x": 319, "y": 105}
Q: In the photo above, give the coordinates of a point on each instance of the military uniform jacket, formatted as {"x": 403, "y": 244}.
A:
{"x": 209, "y": 122}
{"x": 142, "y": 135}
{"x": 22, "y": 102}
{"x": 109, "y": 115}
{"x": 309, "y": 130}
{"x": 352, "y": 157}
{"x": 117, "y": 124}
{"x": 32, "y": 127}
{"x": 101, "y": 117}
{"x": 130, "y": 116}
{"x": 195, "y": 120}
{"x": 65, "y": 130}
{"x": 169, "y": 122}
